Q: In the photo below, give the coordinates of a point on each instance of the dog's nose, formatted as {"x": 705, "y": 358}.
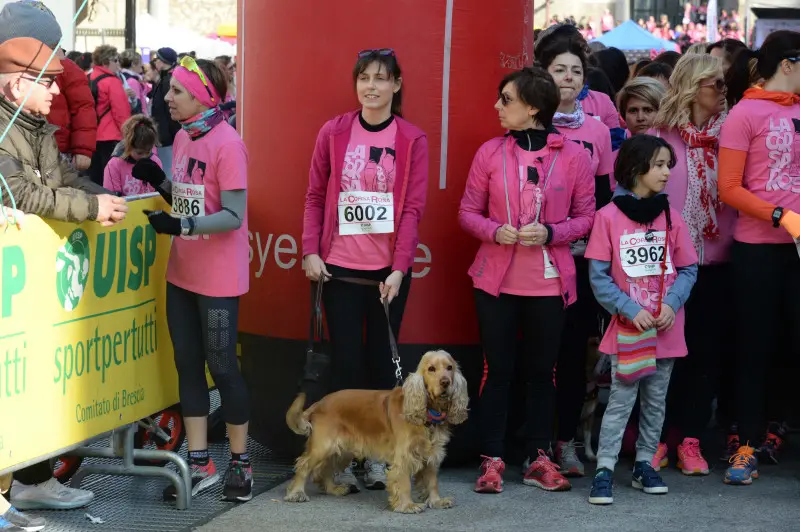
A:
{"x": 445, "y": 382}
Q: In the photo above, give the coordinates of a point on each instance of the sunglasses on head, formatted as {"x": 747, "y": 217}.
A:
{"x": 190, "y": 64}
{"x": 793, "y": 56}
{"x": 376, "y": 51}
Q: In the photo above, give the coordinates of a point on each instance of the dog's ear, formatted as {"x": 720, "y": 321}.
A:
{"x": 458, "y": 404}
{"x": 415, "y": 399}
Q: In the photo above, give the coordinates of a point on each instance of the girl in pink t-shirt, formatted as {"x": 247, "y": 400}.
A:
{"x": 208, "y": 268}
{"x": 366, "y": 196}
{"x": 642, "y": 266}
{"x": 760, "y": 176}
{"x": 139, "y": 136}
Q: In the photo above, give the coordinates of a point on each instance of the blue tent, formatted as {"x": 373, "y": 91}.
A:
{"x": 629, "y": 36}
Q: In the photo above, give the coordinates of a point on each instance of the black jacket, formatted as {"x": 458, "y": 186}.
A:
{"x": 167, "y": 127}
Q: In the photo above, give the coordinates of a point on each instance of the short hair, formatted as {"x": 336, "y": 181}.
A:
{"x": 635, "y": 158}
{"x": 103, "y": 54}
{"x": 669, "y": 57}
{"x": 641, "y": 88}
{"x": 729, "y": 46}
{"x": 128, "y": 58}
{"x": 655, "y": 70}
{"x": 536, "y": 88}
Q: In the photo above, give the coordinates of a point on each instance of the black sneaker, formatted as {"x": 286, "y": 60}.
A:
{"x": 203, "y": 477}
{"x": 238, "y": 482}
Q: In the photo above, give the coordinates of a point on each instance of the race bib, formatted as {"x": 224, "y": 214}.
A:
{"x": 366, "y": 213}
{"x": 550, "y": 271}
{"x": 188, "y": 200}
{"x": 641, "y": 254}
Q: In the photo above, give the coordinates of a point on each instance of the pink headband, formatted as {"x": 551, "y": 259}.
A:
{"x": 195, "y": 86}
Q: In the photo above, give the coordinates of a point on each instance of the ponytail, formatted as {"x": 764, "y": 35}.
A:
{"x": 139, "y": 132}
{"x": 741, "y": 75}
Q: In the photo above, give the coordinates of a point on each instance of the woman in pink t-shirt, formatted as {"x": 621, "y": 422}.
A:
{"x": 208, "y": 268}
{"x": 565, "y": 60}
{"x": 366, "y": 195}
{"x": 690, "y": 119}
{"x": 760, "y": 176}
{"x": 528, "y": 195}
{"x": 642, "y": 265}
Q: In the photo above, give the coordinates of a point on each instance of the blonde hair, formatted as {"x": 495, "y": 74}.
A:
{"x": 691, "y": 70}
{"x": 698, "y": 48}
{"x": 642, "y": 88}
{"x": 139, "y": 132}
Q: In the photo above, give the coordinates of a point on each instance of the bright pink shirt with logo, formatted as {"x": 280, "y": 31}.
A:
{"x": 596, "y": 138}
{"x": 117, "y": 177}
{"x": 526, "y": 275}
{"x": 770, "y": 134}
{"x": 212, "y": 265}
{"x": 610, "y": 229}
{"x": 369, "y": 166}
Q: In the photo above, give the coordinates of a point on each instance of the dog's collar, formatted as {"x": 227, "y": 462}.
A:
{"x": 436, "y": 418}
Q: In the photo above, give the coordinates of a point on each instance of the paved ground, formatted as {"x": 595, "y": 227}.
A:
{"x": 770, "y": 504}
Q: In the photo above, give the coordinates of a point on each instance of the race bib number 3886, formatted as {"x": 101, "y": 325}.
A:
{"x": 641, "y": 254}
{"x": 188, "y": 200}
{"x": 365, "y": 213}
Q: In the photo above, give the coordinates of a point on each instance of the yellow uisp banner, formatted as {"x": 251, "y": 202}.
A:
{"x": 84, "y": 345}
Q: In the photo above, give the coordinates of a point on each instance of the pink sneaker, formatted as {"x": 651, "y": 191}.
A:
{"x": 491, "y": 479}
{"x": 690, "y": 459}
{"x": 660, "y": 458}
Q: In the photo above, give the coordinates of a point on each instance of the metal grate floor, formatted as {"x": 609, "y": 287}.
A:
{"x": 133, "y": 504}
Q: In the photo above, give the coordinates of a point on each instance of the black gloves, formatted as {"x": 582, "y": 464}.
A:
{"x": 148, "y": 171}
{"x": 163, "y": 223}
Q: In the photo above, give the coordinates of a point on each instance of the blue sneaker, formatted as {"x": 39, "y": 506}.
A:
{"x": 646, "y": 478}
{"x": 743, "y": 468}
{"x": 601, "y": 487}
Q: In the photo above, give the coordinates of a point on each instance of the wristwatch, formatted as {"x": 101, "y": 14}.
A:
{"x": 776, "y": 216}
{"x": 186, "y": 226}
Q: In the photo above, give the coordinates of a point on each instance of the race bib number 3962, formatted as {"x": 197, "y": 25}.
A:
{"x": 365, "y": 213}
{"x": 188, "y": 200}
{"x": 641, "y": 254}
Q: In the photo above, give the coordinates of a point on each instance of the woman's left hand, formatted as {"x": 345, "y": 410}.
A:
{"x": 391, "y": 287}
{"x": 534, "y": 234}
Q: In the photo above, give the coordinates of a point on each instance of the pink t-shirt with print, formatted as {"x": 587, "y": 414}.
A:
{"x": 596, "y": 138}
{"x": 608, "y": 235}
{"x": 369, "y": 166}
{"x": 526, "y": 275}
{"x": 213, "y": 265}
{"x": 770, "y": 134}
{"x": 117, "y": 177}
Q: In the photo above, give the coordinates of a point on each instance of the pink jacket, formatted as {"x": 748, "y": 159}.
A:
{"x": 600, "y": 105}
{"x": 568, "y": 208}
{"x": 325, "y": 183}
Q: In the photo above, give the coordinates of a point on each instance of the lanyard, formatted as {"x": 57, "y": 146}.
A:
{"x": 544, "y": 187}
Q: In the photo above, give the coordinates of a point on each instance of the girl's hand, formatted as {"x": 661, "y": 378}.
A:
{"x": 315, "y": 268}
{"x": 644, "y": 320}
{"x": 666, "y": 319}
{"x": 391, "y": 287}
{"x": 506, "y": 235}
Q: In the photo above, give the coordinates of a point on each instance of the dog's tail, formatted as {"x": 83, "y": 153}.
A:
{"x": 296, "y": 418}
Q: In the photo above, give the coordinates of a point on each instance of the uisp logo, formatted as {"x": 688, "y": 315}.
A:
{"x": 72, "y": 269}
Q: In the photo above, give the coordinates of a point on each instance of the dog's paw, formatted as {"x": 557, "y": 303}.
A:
{"x": 410, "y": 508}
{"x": 297, "y": 496}
{"x": 420, "y": 495}
{"x": 443, "y": 503}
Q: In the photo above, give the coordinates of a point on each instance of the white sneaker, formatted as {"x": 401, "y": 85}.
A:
{"x": 347, "y": 478}
{"x": 374, "y": 475}
{"x": 50, "y": 495}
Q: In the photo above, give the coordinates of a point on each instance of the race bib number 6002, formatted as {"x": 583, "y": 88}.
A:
{"x": 188, "y": 200}
{"x": 366, "y": 213}
{"x": 641, "y": 254}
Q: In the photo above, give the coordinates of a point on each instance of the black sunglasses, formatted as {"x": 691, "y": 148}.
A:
{"x": 376, "y": 51}
{"x": 718, "y": 85}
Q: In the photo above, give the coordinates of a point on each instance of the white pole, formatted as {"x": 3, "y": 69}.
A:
{"x": 711, "y": 21}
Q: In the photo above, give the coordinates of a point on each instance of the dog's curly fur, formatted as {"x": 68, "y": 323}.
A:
{"x": 387, "y": 426}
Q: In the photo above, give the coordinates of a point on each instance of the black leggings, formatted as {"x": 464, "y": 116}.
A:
{"x": 204, "y": 330}
{"x": 500, "y": 319}
{"x": 34, "y": 474}
{"x": 348, "y": 308}
{"x": 766, "y": 293}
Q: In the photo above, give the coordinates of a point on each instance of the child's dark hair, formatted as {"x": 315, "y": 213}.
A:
{"x": 535, "y": 87}
{"x": 748, "y": 65}
{"x": 139, "y": 132}
{"x": 636, "y": 156}
{"x": 388, "y": 62}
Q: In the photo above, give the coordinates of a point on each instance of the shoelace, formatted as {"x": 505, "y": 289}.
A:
{"x": 569, "y": 451}
{"x": 377, "y": 467}
{"x": 547, "y": 465}
{"x": 489, "y": 463}
{"x": 692, "y": 449}
{"x": 740, "y": 460}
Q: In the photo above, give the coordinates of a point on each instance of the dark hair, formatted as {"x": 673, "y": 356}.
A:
{"x": 558, "y": 32}
{"x": 85, "y": 61}
{"x": 640, "y": 64}
{"x": 729, "y": 46}
{"x": 139, "y": 132}
{"x": 612, "y": 61}
{"x": 215, "y": 76}
{"x": 778, "y": 46}
{"x": 599, "y": 82}
{"x": 670, "y": 57}
{"x": 392, "y": 67}
{"x": 74, "y": 56}
{"x": 636, "y": 156}
{"x": 655, "y": 70}
{"x": 535, "y": 87}
{"x": 554, "y": 46}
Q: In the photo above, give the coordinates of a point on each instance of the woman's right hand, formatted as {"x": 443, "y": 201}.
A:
{"x": 147, "y": 170}
{"x": 506, "y": 235}
{"x": 315, "y": 268}
{"x": 644, "y": 321}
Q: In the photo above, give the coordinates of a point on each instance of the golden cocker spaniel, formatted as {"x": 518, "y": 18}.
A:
{"x": 406, "y": 427}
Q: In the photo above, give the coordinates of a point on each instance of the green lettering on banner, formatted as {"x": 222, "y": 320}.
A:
{"x": 103, "y": 282}
{"x": 149, "y": 252}
{"x": 123, "y": 260}
{"x": 135, "y": 279}
{"x": 12, "y": 280}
